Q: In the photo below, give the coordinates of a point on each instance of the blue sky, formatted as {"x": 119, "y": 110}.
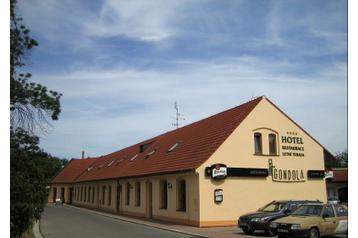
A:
{"x": 120, "y": 65}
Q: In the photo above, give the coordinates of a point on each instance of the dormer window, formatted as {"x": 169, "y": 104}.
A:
{"x": 258, "y": 143}
{"x": 272, "y": 144}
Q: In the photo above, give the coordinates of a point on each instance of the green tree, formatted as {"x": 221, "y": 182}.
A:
{"x": 341, "y": 160}
{"x": 31, "y": 105}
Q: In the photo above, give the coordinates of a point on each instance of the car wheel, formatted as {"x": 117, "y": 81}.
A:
{"x": 248, "y": 231}
{"x": 314, "y": 233}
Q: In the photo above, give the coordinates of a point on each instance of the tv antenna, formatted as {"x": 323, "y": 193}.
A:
{"x": 178, "y": 116}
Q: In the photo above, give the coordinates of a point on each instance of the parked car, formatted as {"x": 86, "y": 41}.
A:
{"x": 313, "y": 221}
{"x": 261, "y": 219}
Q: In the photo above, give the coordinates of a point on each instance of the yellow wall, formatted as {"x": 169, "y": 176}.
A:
{"x": 242, "y": 195}
{"x": 190, "y": 216}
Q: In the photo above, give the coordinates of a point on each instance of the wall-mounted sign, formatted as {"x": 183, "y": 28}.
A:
{"x": 315, "y": 173}
{"x": 292, "y": 145}
{"x": 214, "y": 171}
{"x": 328, "y": 175}
{"x": 218, "y": 171}
{"x": 285, "y": 175}
{"x": 218, "y": 195}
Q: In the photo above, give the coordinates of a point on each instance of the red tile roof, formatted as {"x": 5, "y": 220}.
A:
{"x": 72, "y": 170}
{"x": 197, "y": 142}
{"x": 340, "y": 175}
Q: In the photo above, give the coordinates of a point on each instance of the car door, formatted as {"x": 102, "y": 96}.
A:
{"x": 329, "y": 221}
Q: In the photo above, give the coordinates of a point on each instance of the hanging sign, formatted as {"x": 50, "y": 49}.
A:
{"x": 220, "y": 171}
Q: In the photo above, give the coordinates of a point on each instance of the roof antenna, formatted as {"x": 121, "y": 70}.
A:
{"x": 178, "y": 116}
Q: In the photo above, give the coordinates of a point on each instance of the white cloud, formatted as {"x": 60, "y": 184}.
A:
{"x": 93, "y": 117}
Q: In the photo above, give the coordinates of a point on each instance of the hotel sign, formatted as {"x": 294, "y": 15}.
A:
{"x": 292, "y": 145}
{"x": 285, "y": 175}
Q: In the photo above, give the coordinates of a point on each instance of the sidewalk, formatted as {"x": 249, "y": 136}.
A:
{"x": 217, "y": 232}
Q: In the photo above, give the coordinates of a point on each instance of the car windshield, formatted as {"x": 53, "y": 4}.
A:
{"x": 308, "y": 210}
{"x": 273, "y": 207}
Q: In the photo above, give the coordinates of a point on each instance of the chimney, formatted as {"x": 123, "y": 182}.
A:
{"x": 83, "y": 154}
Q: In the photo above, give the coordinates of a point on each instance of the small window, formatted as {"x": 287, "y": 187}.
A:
{"x": 340, "y": 211}
{"x": 127, "y": 193}
{"x": 181, "y": 195}
{"x": 85, "y": 195}
{"x": 173, "y": 147}
{"x": 109, "y": 195}
{"x": 272, "y": 144}
{"x": 134, "y": 157}
{"x": 137, "y": 194}
{"x": 118, "y": 162}
{"x": 163, "y": 194}
{"x": 81, "y": 194}
{"x": 258, "y": 143}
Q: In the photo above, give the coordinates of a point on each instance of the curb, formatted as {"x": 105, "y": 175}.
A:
{"x": 36, "y": 230}
{"x": 135, "y": 221}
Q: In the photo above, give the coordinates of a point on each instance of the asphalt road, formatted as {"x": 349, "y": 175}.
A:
{"x": 66, "y": 222}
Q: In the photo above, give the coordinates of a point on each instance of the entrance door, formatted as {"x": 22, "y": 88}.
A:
{"x": 149, "y": 200}
{"x": 119, "y": 189}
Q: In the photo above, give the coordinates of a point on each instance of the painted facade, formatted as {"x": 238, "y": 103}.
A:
{"x": 265, "y": 157}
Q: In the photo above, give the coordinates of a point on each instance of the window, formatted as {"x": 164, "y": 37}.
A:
{"x": 329, "y": 211}
{"x": 272, "y": 144}
{"x": 163, "y": 194}
{"x": 340, "y": 211}
{"x": 134, "y": 157}
{"x": 149, "y": 154}
{"x": 110, "y": 163}
{"x": 93, "y": 194}
{"x": 85, "y": 194}
{"x": 258, "y": 143}
{"x": 137, "y": 194}
{"x": 173, "y": 147}
{"x": 127, "y": 193}
{"x": 109, "y": 195}
{"x": 81, "y": 193}
{"x": 181, "y": 195}
{"x": 103, "y": 194}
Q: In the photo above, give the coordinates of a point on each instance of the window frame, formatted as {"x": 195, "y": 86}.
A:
{"x": 274, "y": 146}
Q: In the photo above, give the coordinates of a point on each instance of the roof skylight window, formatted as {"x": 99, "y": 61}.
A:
{"x": 134, "y": 157}
{"x": 89, "y": 168}
{"x": 150, "y": 153}
{"x": 173, "y": 147}
{"x": 118, "y": 161}
{"x": 111, "y": 163}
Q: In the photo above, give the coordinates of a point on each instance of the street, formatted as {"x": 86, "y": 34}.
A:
{"x": 60, "y": 222}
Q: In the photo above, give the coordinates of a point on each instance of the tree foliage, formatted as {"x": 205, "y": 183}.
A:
{"x": 341, "y": 160}
{"x": 31, "y": 104}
